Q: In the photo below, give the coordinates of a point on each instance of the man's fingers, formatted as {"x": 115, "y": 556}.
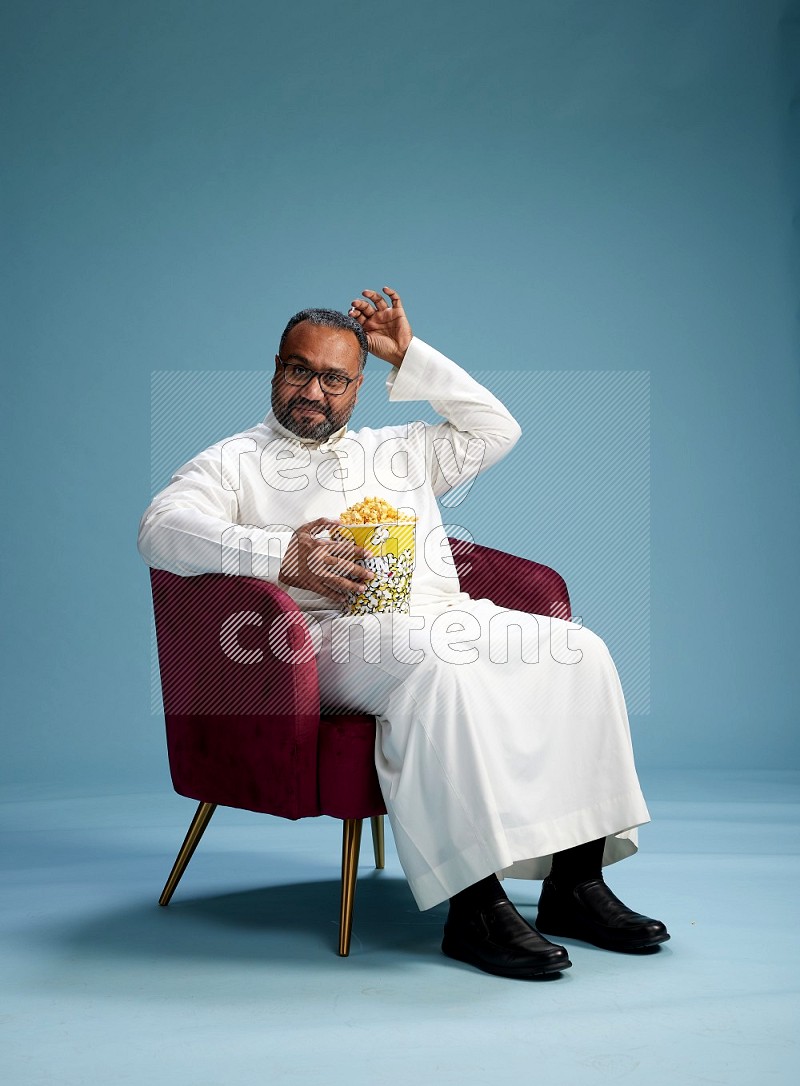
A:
{"x": 327, "y": 563}
{"x": 377, "y": 299}
{"x": 317, "y": 525}
{"x": 343, "y": 567}
{"x": 348, "y": 553}
{"x": 341, "y": 549}
{"x": 336, "y": 586}
{"x": 321, "y": 560}
{"x": 362, "y": 310}
{"x": 345, "y": 585}
{"x": 346, "y": 548}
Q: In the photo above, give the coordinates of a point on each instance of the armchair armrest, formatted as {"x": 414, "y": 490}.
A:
{"x": 242, "y": 722}
{"x": 510, "y": 581}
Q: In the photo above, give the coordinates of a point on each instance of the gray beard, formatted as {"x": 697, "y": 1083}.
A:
{"x": 313, "y": 431}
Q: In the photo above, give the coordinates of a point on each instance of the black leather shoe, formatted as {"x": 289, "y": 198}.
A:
{"x": 498, "y": 940}
{"x": 592, "y": 913}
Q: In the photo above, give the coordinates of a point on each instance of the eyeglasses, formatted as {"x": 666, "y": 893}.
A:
{"x": 334, "y": 384}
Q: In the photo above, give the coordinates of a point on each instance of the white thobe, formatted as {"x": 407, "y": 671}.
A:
{"x": 495, "y": 746}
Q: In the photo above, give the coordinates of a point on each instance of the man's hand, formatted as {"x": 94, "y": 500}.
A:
{"x": 387, "y": 327}
{"x": 325, "y": 566}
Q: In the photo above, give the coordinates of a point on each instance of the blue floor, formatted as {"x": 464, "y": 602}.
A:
{"x": 238, "y": 981}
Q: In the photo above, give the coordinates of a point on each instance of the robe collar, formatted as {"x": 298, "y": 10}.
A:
{"x": 333, "y": 439}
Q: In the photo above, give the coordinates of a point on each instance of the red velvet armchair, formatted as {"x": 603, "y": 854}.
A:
{"x": 243, "y": 725}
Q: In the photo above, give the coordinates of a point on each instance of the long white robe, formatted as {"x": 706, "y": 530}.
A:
{"x": 492, "y": 752}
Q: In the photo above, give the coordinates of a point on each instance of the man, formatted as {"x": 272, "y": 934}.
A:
{"x": 488, "y": 764}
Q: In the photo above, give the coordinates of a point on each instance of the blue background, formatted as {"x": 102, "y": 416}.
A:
{"x": 559, "y": 185}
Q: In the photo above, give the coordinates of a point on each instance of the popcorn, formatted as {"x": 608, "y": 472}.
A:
{"x": 372, "y": 511}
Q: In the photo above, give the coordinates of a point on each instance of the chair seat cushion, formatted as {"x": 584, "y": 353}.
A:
{"x": 348, "y": 781}
{"x": 231, "y": 760}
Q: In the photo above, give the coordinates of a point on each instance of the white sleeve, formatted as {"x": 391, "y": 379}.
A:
{"x": 192, "y": 527}
{"x": 478, "y": 430}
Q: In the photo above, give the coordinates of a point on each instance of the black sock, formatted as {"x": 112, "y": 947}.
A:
{"x": 578, "y": 864}
{"x": 479, "y": 895}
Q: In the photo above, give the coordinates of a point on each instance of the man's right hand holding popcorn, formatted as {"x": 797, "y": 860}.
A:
{"x": 326, "y": 566}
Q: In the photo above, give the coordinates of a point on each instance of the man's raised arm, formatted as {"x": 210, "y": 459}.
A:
{"x": 478, "y": 429}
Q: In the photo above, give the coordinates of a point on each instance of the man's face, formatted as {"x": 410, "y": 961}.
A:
{"x": 309, "y": 412}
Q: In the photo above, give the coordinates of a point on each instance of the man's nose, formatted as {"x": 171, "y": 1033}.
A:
{"x": 313, "y": 390}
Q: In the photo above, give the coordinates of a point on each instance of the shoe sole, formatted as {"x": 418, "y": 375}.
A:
{"x": 527, "y": 974}
{"x": 598, "y": 941}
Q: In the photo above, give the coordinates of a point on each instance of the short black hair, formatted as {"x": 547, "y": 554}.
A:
{"x": 330, "y": 318}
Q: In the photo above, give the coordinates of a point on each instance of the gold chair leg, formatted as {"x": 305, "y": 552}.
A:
{"x": 351, "y": 846}
{"x": 378, "y": 846}
{"x": 196, "y": 830}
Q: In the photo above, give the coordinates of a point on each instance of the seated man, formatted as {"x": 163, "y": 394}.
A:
{"x": 488, "y": 764}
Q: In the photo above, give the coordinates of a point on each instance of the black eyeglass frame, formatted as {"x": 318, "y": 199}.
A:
{"x": 319, "y": 374}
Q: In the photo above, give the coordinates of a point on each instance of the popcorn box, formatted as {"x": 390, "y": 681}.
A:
{"x": 392, "y": 562}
